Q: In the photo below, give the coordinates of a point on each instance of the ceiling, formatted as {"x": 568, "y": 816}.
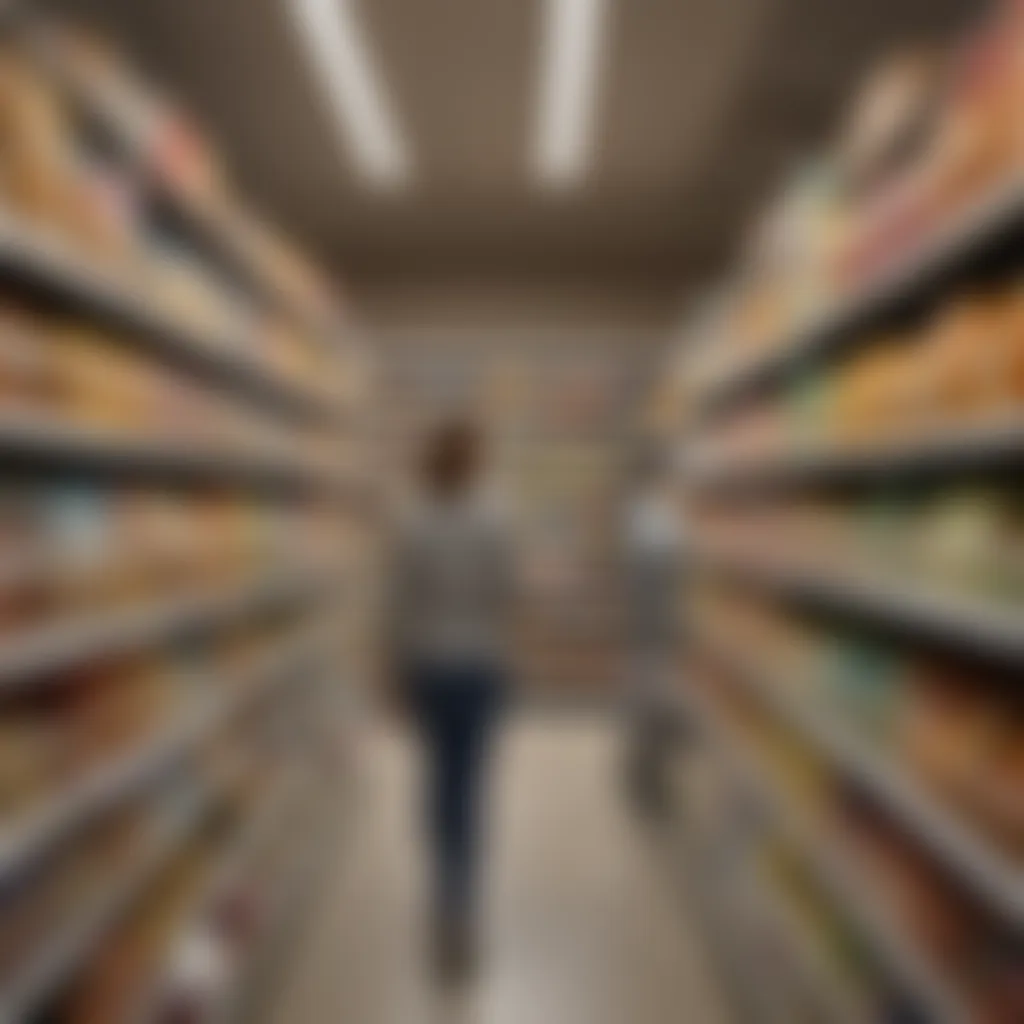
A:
{"x": 704, "y": 104}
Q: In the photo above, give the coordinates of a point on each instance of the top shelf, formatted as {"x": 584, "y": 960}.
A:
{"x": 220, "y": 236}
{"x": 954, "y": 247}
{"x": 212, "y": 227}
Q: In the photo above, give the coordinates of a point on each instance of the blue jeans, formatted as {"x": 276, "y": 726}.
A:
{"x": 457, "y": 707}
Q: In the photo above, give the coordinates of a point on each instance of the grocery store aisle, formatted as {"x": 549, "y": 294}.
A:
{"x": 584, "y": 927}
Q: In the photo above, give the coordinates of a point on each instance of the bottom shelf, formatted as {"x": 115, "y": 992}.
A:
{"x": 852, "y": 894}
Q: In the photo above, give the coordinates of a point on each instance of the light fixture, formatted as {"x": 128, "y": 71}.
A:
{"x": 337, "y": 48}
{"x": 570, "y": 56}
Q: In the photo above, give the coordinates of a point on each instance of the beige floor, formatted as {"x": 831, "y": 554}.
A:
{"x": 583, "y": 924}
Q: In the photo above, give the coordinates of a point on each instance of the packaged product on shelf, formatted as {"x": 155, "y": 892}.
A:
{"x": 115, "y": 983}
{"x": 27, "y": 363}
{"x": 101, "y": 715}
{"x": 881, "y": 534}
{"x": 28, "y": 751}
{"x": 889, "y": 119}
{"x": 878, "y": 392}
{"x": 979, "y": 143}
{"x": 962, "y": 372}
{"x": 37, "y": 159}
{"x": 911, "y": 887}
{"x": 1009, "y": 565}
{"x": 958, "y": 542}
{"x": 806, "y": 402}
{"x": 171, "y": 544}
{"x": 80, "y": 527}
{"x": 27, "y": 580}
{"x": 184, "y": 292}
{"x": 158, "y": 133}
{"x": 941, "y": 726}
{"x": 999, "y": 781}
{"x": 844, "y": 966}
{"x": 101, "y": 384}
{"x": 104, "y": 217}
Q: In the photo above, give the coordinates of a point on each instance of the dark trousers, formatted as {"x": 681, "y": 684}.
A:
{"x": 457, "y": 708}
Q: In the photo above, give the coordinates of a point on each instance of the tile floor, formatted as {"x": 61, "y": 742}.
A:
{"x": 584, "y": 925}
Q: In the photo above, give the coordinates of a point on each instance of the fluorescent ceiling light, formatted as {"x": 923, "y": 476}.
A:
{"x": 573, "y": 31}
{"x": 337, "y": 48}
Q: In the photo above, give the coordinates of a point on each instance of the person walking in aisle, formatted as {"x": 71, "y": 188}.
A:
{"x": 452, "y": 591}
{"x": 654, "y": 560}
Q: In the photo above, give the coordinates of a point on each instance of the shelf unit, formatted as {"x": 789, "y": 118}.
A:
{"x": 58, "y": 961}
{"x": 894, "y": 951}
{"x": 42, "y": 262}
{"x": 965, "y": 238}
{"x": 755, "y": 440}
{"x": 310, "y": 861}
{"x": 220, "y": 233}
{"x": 983, "y": 628}
{"x": 98, "y": 792}
{"x": 53, "y": 647}
{"x": 973, "y": 447}
{"x": 191, "y": 643}
{"x": 275, "y": 813}
{"x": 992, "y": 876}
{"x": 33, "y": 442}
{"x": 827, "y": 991}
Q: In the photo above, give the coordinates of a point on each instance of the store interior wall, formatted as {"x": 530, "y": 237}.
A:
{"x": 557, "y": 374}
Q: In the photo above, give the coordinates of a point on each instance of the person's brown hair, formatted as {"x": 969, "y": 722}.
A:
{"x": 452, "y": 457}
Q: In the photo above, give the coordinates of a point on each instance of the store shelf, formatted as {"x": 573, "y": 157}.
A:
{"x": 108, "y": 787}
{"x": 968, "y": 448}
{"x": 73, "y": 945}
{"x": 708, "y": 887}
{"x": 825, "y": 988}
{"x": 273, "y": 812}
{"x": 310, "y": 859}
{"x": 25, "y": 841}
{"x": 846, "y": 886}
{"x": 245, "y": 342}
{"x": 34, "y": 441}
{"x": 212, "y": 229}
{"x": 46, "y": 264}
{"x": 232, "y": 250}
{"x": 993, "y": 632}
{"x": 992, "y": 218}
{"x": 29, "y": 659}
{"x": 980, "y": 866}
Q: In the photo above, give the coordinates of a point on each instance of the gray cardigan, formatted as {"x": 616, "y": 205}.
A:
{"x": 452, "y": 583}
